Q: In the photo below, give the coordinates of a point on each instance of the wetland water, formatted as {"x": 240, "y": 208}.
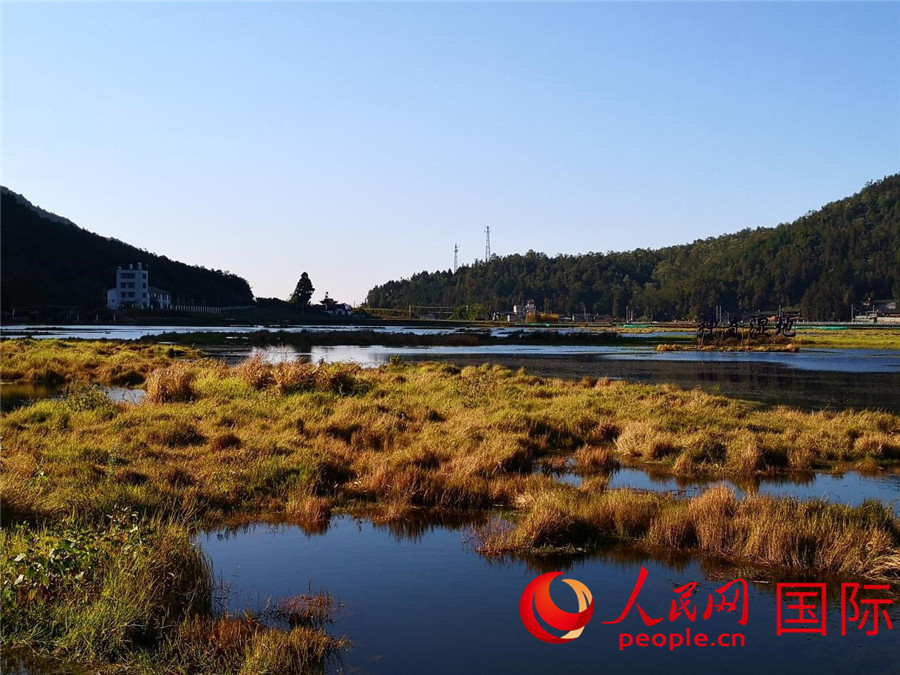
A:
{"x": 14, "y": 395}
{"x": 422, "y": 600}
{"x": 414, "y": 599}
{"x": 850, "y": 488}
{"x": 812, "y": 379}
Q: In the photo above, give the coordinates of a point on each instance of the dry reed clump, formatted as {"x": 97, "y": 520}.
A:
{"x": 290, "y": 377}
{"x": 243, "y": 644}
{"x": 215, "y": 644}
{"x": 745, "y": 455}
{"x": 878, "y": 445}
{"x": 706, "y": 447}
{"x": 591, "y": 459}
{"x": 302, "y": 649}
{"x": 821, "y": 444}
{"x": 602, "y": 431}
{"x": 293, "y": 377}
{"x": 21, "y": 502}
{"x": 674, "y": 528}
{"x": 643, "y": 439}
{"x": 313, "y": 512}
{"x": 409, "y": 484}
{"x": 548, "y": 524}
{"x": 500, "y": 458}
{"x": 626, "y": 514}
{"x": 711, "y": 514}
{"x": 172, "y": 384}
{"x": 313, "y": 611}
{"x": 801, "y": 457}
{"x": 595, "y": 483}
{"x": 255, "y": 371}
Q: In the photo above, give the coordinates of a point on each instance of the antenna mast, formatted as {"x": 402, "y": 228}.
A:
{"x": 455, "y": 257}
{"x": 487, "y": 244}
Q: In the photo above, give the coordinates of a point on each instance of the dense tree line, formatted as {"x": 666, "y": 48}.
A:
{"x": 48, "y": 260}
{"x": 845, "y": 253}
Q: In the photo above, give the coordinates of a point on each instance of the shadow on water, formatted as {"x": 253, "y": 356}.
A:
{"x": 428, "y": 601}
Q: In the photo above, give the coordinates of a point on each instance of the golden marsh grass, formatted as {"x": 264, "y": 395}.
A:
{"x": 298, "y": 441}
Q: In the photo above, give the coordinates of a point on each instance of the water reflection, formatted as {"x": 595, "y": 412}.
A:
{"x": 13, "y": 396}
{"x": 850, "y": 488}
{"x": 431, "y": 603}
{"x": 413, "y": 527}
{"x": 16, "y": 395}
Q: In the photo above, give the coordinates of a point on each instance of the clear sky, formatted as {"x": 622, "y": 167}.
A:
{"x": 359, "y": 142}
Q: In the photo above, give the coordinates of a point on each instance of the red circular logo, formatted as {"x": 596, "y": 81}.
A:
{"x": 536, "y": 598}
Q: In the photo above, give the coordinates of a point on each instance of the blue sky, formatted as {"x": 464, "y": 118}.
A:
{"x": 359, "y": 142}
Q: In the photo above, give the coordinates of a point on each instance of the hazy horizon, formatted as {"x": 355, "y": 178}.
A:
{"x": 359, "y": 143}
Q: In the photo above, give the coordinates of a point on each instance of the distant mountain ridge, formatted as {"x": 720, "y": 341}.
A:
{"x": 824, "y": 262}
{"x": 47, "y": 260}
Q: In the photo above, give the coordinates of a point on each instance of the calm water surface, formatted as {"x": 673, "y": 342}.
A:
{"x": 849, "y": 488}
{"x": 425, "y": 602}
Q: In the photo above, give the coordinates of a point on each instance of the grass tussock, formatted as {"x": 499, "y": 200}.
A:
{"x": 298, "y": 651}
{"x": 593, "y": 459}
{"x": 172, "y": 384}
{"x": 782, "y": 533}
{"x": 313, "y": 611}
{"x": 299, "y": 376}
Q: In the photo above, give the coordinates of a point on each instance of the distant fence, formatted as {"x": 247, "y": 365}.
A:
{"x": 196, "y": 308}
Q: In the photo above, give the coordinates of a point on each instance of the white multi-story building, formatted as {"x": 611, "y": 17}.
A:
{"x": 160, "y": 299}
{"x": 132, "y": 289}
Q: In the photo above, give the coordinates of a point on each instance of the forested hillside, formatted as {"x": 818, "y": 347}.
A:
{"x": 48, "y": 260}
{"x": 844, "y": 253}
